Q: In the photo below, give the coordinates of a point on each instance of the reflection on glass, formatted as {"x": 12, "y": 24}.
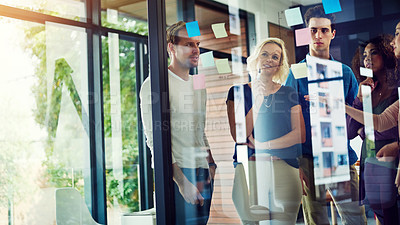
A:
{"x": 44, "y": 119}
{"x": 327, "y": 114}
{"x": 69, "y": 9}
{"x": 120, "y": 119}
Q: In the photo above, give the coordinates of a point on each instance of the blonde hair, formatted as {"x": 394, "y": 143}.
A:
{"x": 281, "y": 74}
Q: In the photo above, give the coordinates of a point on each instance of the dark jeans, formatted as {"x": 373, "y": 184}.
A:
{"x": 186, "y": 213}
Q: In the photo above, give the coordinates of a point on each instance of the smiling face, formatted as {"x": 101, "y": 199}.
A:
{"x": 321, "y": 36}
{"x": 372, "y": 58}
{"x": 396, "y": 41}
{"x": 269, "y": 59}
{"x": 186, "y": 52}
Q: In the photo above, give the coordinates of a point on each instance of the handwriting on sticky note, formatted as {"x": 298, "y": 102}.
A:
{"x": 303, "y": 37}
{"x": 299, "y": 70}
{"x": 366, "y": 72}
{"x": 193, "y": 29}
{"x": 207, "y": 59}
{"x": 199, "y": 81}
{"x": 293, "y": 16}
{"x": 331, "y": 6}
{"x": 223, "y": 66}
{"x": 219, "y": 30}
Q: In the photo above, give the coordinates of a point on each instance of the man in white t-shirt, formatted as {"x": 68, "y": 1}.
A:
{"x": 192, "y": 161}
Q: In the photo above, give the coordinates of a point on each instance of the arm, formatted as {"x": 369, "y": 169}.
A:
{"x": 296, "y": 136}
{"x": 383, "y": 121}
{"x": 209, "y": 157}
{"x": 230, "y": 109}
{"x": 353, "y": 126}
{"x": 232, "y": 123}
{"x": 145, "y": 109}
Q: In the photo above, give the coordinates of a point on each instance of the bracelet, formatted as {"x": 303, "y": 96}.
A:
{"x": 213, "y": 164}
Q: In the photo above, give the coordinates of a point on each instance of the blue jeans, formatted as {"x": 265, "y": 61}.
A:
{"x": 186, "y": 213}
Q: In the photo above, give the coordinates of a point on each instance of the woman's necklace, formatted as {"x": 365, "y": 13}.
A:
{"x": 266, "y": 100}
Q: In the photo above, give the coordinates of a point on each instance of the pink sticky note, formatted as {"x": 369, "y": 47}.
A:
{"x": 303, "y": 37}
{"x": 199, "y": 81}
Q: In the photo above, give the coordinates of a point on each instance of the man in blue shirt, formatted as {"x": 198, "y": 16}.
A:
{"x": 322, "y": 30}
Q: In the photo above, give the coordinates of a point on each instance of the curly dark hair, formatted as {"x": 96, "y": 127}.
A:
{"x": 382, "y": 45}
{"x": 319, "y": 12}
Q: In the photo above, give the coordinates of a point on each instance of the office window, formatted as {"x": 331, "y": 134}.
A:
{"x": 44, "y": 119}
{"x": 69, "y": 9}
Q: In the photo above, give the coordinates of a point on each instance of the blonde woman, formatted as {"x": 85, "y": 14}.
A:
{"x": 274, "y": 128}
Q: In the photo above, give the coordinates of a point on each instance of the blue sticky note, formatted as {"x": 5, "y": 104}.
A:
{"x": 293, "y": 16}
{"x": 193, "y": 29}
{"x": 207, "y": 59}
{"x": 331, "y": 6}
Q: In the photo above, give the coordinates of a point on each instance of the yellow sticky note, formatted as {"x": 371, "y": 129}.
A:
{"x": 300, "y": 70}
{"x": 223, "y": 66}
{"x": 219, "y": 30}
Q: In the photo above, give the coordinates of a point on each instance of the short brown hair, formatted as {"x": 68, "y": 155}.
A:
{"x": 173, "y": 30}
{"x": 319, "y": 12}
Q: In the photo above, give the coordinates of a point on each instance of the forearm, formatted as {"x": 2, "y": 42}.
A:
{"x": 354, "y": 126}
{"x": 209, "y": 157}
{"x": 382, "y": 122}
{"x": 292, "y": 138}
{"x": 178, "y": 176}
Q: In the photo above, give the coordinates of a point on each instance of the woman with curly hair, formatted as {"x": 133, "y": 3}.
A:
{"x": 377, "y": 55}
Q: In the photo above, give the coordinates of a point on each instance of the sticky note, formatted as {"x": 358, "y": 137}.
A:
{"x": 223, "y": 66}
{"x": 207, "y": 59}
{"x": 331, "y": 6}
{"x": 303, "y": 37}
{"x": 366, "y": 72}
{"x": 293, "y": 16}
{"x": 237, "y": 65}
{"x": 299, "y": 70}
{"x": 234, "y": 19}
{"x": 193, "y": 29}
{"x": 199, "y": 81}
{"x": 219, "y": 30}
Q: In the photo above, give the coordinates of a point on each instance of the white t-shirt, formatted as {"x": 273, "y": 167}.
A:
{"x": 187, "y": 116}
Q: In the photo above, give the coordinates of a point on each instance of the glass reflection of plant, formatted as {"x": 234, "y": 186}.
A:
{"x": 55, "y": 173}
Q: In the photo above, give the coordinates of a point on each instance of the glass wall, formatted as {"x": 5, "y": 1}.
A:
{"x": 256, "y": 136}
{"x": 267, "y": 160}
{"x": 54, "y": 139}
{"x": 45, "y": 119}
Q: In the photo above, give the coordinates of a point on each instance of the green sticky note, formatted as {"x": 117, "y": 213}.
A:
{"x": 207, "y": 59}
{"x": 223, "y": 66}
{"x": 219, "y": 30}
{"x": 293, "y": 16}
{"x": 299, "y": 70}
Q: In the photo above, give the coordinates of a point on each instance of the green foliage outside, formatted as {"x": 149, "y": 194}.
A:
{"x": 56, "y": 175}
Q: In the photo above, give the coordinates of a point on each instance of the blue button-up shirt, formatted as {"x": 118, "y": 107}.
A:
{"x": 301, "y": 85}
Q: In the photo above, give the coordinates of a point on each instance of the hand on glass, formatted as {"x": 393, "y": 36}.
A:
{"x": 388, "y": 153}
{"x": 258, "y": 89}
